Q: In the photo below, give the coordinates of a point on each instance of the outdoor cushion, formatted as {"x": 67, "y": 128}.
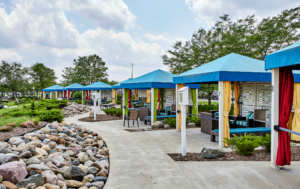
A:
{"x": 168, "y": 108}
{"x": 250, "y": 116}
{"x": 242, "y": 123}
{"x": 231, "y": 121}
{"x": 239, "y": 130}
{"x": 167, "y": 116}
{"x": 262, "y": 129}
{"x": 216, "y": 114}
{"x": 163, "y": 113}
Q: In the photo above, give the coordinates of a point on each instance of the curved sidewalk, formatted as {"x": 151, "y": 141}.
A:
{"x": 135, "y": 162}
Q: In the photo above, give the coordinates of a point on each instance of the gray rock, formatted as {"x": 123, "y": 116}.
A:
{"x": 40, "y": 166}
{"x": 103, "y": 158}
{"x": 26, "y": 141}
{"x": 53, "y": 131}
{"x": 37, "y": 179}
{"x": 45, "y": 161}
{"x": 46, "y": 141}
{"x": 75, "y": 162}
{"x": 10, "y": 158}
{"x": 74, "y": 173}
{"x": 4, "y": 151}
{"x": 18, "y": 142}
{"x": 26, "y": 154}
{"x": 52, "y": 151}
{"x": 33, "y": 160}
{"x": 32, "y": 150}
{"x": 83, "y": 157}
{"x": 99, "y": 178}
{"x": 99, "y": 184}
{"x": 31, "y": 186}
{"x": 211, "y": 153}
{"x": 92, "y": 170}
{"x": 2, "y": 186}
{"x": 157, "y": 124}
{"x": 88, "y": 163}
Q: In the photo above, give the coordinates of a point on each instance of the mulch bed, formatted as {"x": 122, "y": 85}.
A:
{"x": 19, "y": 130}
{"x": 158, "y": 129}
{"x": 257, "y": 155}
{"x": 101, "y": 117}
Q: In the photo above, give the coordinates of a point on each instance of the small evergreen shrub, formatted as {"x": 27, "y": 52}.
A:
{"x": 195, "y": 120}
{"x": 108, "y": 102}
{"x": 36, "y": 120}
{"x": 119, "y": 112}
{"x": 32, "y": 107}
{"x": 244, "y": 145}
{"x": 77, "y": 95}
{"x": 171, "y": 122}
{"x": 51, "y": 115}
{"x": 119, "y": 97}
{"x": 265, "y": 142}
{"x": 118, "y": 102}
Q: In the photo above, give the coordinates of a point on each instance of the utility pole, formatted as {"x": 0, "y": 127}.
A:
{"x": 131, "y": 70}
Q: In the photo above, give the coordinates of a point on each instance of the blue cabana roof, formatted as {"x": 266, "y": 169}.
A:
{"x": 118, "y": 85}
{"x": 97, "y": 86}
{"x": 74, "y": 86}
{"x": 54, "y": 88}
{"x": 156, "y": 79}
{"x": 288, "y": 56}
{"x": 232, "y": 67}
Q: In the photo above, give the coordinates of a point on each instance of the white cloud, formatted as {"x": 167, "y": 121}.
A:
{"x": 163, "y": 38}
{"x": 208, "y": 11}
{"x": 39, "y": 31}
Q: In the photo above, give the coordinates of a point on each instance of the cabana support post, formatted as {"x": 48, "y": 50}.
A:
{"x": 221, "y": 95}
{"x": 123, "y": 104}
{"x": 274, "y": 116}
{"x": 152, "y": 106}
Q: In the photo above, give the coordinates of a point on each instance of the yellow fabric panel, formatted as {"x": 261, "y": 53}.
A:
{"x": 114, "y": 95}
{"x": 148, "y": 96}
{"x": 136, "y": 94}
{"x": 296, "y": 119}
{"x": 289, "y": 125}
{"x": 226, "y": 108}
{"x": 236, "y": 89}
{"x": 44, "y": 95}
{"x": 179, "y": 115}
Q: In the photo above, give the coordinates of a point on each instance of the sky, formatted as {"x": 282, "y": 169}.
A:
{"x": 120, "y": 31}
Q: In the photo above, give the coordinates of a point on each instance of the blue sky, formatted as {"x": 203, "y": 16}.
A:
{"x": 120, "y": 31}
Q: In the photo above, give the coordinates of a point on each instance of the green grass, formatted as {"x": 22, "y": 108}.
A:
{"x": 18, "y": 120}
{"x": 206, "y": 103}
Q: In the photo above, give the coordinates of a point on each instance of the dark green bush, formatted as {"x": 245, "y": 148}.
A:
{"x": 5, "y": 101}
{"x": 171, "y": 122}
{"x": 77, "y": 95}
{"x": 265, "y": 142}
{"x": 244, "y": 145}
{"x": 118, "y": 102}
{"x": 51, "y": 115}
{"x": 108, "y": 102}
{"x": 119, "y": 112}
{"x": 32, "y": 105}
{"x": 119, "y": 97}
{"x": 195, "y": 120}
{"x": 80, "y": 101}
{"x": 207, "y": 108}
{"x": 18, "y": 114}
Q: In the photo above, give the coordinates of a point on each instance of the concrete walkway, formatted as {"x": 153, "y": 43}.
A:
{"x": 140, "y": 160}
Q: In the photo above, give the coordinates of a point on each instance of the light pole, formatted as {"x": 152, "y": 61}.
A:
{"x": 131, "y": 70}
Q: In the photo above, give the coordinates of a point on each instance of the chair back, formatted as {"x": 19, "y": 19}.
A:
{"x": 173, "y": 107}
{"x": 133, "y": 114}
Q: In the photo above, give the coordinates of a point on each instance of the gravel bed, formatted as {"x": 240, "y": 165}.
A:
{"x": 257, "y": 155}
{"x": 101, "y": 117}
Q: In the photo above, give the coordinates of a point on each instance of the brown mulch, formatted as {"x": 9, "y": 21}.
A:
{"x": 19, "y": 130}
{"x": 157, "y": 129}
{"x": 101, "y": 117}
{"x": 257, "y": 155}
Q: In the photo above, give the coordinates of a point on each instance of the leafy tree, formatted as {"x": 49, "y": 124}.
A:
{"x": 42, "y": 76}
{"x": 87, "y": 70}
{"x": 13, "y": 75}
{"x": 112, "y": 82}
{"x": 243, "y": 36}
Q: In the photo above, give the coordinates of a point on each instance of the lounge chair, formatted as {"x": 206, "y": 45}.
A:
{"x": 133, "y": 115}
{"x": 241, "y": 131}
{"x": 144, "y": 112}
{"x": 166, "y": 111}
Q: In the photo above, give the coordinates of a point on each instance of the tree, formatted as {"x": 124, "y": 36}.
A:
{"x": 112, "y": 82}
{"x": 42, "y": 76}
{"x": 244, "y": 37}
{"x": 13, "y": 75}
{"x": 87, "y": 70}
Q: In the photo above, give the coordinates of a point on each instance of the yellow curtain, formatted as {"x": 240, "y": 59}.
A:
{"x": 226, "y": 108}
{"x": 296, "y": 119}
{"x": 114, "y": 95}
{"x": 136, "y": 94}
{"x": 148, "y": 96}
{"x": 179, "y": 115}
{"x": 290, "y": 123}
{"x": 44, "y": 95}
{"x": 236, "y": 88}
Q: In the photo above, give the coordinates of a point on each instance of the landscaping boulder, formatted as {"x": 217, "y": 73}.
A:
{"x": 211, "y": 153}
{"x": 157, "y": 125}
{"x": 13, "y": 171}
{"x": 28, "y": 124}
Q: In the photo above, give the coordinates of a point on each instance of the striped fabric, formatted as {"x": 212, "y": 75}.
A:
{"x": 168, "y": 108}
{"x": 163, "y": 113}
{"x": 242, "y": 123}
{"x": 231, "y": 121}
{"x": 250, "y": 116}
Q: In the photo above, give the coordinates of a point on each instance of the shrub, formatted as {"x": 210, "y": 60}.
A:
{"x": 195, "y": 120}
{"x": 119, "y": 112}
{"x": 36, "y": 120}
{"x": 244, "y": 145}
{"x": 80, "y": 102}
{"x": 16, "y": 103}
{"x": 5, "y": 101}
{"x": 51, "y": 115}
{"x": 171, "y": 122}
{"x": 108, "y": 102}
{"x": 32, "y": 107}
{"x": 265, "y": 142}
{"x": 119, "y": 97}
{"x": 77, "y": 95}
{"x": 118, "y": 102}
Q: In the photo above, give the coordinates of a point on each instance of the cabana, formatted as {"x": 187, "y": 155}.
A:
{"x": 160, "y": 83}
{"x": 55, "y": 88}
{"x": 223, "y": 71}
{"x": 105, "y": 90}
{"x": 114, "y": 90}
{"x": 284, "y": 92}
{"x": 73, "y": 87}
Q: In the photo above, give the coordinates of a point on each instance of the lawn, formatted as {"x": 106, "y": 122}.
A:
{"x": 206, "y": 103}
{"x": 18, "y": 120}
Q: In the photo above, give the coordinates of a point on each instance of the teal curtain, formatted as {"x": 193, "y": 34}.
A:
{"x": 155, "y": 103}
{"x": 194, "y": 98}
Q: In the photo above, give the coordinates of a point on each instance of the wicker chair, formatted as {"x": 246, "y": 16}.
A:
{"x": 133, "y": 115}
{"x": 144, "y": 112}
